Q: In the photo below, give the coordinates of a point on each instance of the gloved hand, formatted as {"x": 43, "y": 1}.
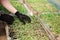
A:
{"x": 7, "y": 18}
{"x": 23, "y": 18}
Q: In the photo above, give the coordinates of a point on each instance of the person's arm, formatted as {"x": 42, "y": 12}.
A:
{"x": 8, "y": 6}
{"x": 23, "y": 18}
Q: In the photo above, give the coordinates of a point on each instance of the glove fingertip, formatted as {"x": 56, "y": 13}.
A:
{"x": 29, "y": 20}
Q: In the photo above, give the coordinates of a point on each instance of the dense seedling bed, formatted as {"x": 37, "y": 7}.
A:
{"x": 53, "y": 20}
{"x": 31, "y": 31}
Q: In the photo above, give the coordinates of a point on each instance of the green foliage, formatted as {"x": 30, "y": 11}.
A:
{"x": 53, "y": 20}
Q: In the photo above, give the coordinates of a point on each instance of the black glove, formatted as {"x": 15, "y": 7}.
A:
{"x": 7, "y": 18}
{"x": 23, "y": 18}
